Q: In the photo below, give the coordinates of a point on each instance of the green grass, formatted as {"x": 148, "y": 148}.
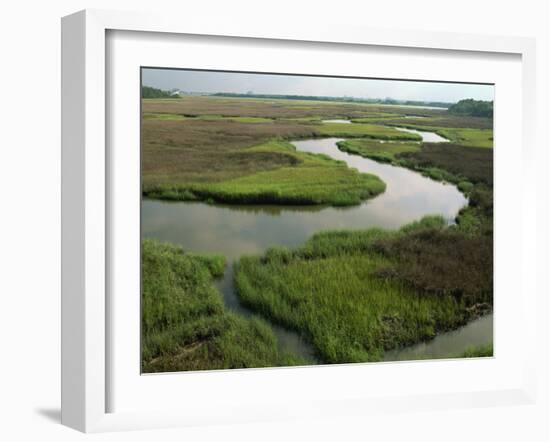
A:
{"x": 270, "y": 108}
{"x": 450, "y": 162}
{"x": 364, "y": 130}
{"x": 352, "y": 294}
{"x": 345, "y": 295}
{"x": 251, "y": 119}
{"x": 482, "y": 351}
{"x": 313, "y": 120}
{"x": 179, "y": 117}
{"x": 164, "y": 117}
{"x": 440, "y": 121}
{"x": 235, "y": 119}
{"x": 383, "y": 152}
{"x": 470, "y": 168}
{"x": 375, "y": 117}
{"x": 184, "y": 323}
{"x": 468, "y": 137}
{"x": 308, "y": 179}
{"x": 461, "y": 163}
{"x": 477, "y": 217}
{"x": 204, "y": 143}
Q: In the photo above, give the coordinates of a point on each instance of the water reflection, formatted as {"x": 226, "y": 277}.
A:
{"x": 234, "y": 230}
{"x": 237, "y": 230}
{"x": 337, "y": 121}
{"x": 288, "y": 341}
{"x": 428, "y": 137}
{"x": 448, "y": 345}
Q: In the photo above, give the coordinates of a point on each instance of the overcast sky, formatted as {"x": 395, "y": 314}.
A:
{"x": 204, "y": 81}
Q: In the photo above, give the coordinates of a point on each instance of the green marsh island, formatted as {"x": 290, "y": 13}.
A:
{"x": 282, "y": 228}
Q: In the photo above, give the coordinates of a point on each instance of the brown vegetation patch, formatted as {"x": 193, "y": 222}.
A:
{"x": 475, "y": 164}
{"x": 179, "y": 152}
{"x": 246, "y": 107}
{"x": 441, "y": 262}
{"x": 444, "y": 121}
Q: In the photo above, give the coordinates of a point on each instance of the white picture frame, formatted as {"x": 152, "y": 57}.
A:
{"x": 86, "y": 207}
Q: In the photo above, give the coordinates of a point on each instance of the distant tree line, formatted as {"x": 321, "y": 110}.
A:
{"x": 472, "y": 108}
{"x": 153, "y": 92}
{"x": 344, "y": 99}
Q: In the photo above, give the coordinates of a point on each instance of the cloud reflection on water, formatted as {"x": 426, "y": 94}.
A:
{"x": 237, "y": 230}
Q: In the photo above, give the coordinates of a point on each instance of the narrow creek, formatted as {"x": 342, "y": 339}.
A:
{"x": 236, "y": 230}
{"x": 428, "y": 137}
{"x": 448, "y": 345}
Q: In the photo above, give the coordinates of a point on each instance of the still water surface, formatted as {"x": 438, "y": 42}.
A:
{"x": 448, "y": 345}
{"x": 233, "y": 230}
{"x": 428, "y": 137}
{"x": 337, "y": 121}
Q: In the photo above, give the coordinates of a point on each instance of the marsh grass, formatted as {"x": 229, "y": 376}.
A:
{"x": 352, "y": 294}
{"x": 194, "y": 150}
{"x": 463, "y": 136}
{"x": 441, "y": 262}
{"x": 179, "y": 117}
{"x": 306, "y": 179}
{"x": 364, "y": 130}
{"x": 202, "y": 148}
{"x": 445, "y": 121}
{"x": 471, "y": 169}
{"x": 370, "y": 117}
{"x": 468, "y": 137}
{"x": 184, "y": 323}
{"x": 449, "y": 162}
{"x": 373, "y": 149}
{"x": 275, "y": 108}
{"x": 338, "y": 292}
{"x": 164, "y": 117}
{"x": 482, "y": 351}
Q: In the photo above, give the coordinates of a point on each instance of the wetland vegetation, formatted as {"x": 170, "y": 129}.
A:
{"x": 355, "y": 294}
{"x": 185, "y": 325}
{"x": 299, "y": 179}
{"x": 359, "y": 282}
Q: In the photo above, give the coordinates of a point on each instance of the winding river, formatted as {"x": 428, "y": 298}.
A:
{"x": 234, "y": 230}
{"x": 428, "y": 137}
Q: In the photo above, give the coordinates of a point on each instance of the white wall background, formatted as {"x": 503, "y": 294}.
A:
{"x": 30, "y": 216}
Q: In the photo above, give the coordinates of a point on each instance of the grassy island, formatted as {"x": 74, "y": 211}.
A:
{"x": 350, "y": 295}
{"x": 300, "y": 179}
{"x": 355, "y": 294}
{"x": 185, "y": 325}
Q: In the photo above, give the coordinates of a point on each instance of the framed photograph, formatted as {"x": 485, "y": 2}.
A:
{"x": 263, "y": 224}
